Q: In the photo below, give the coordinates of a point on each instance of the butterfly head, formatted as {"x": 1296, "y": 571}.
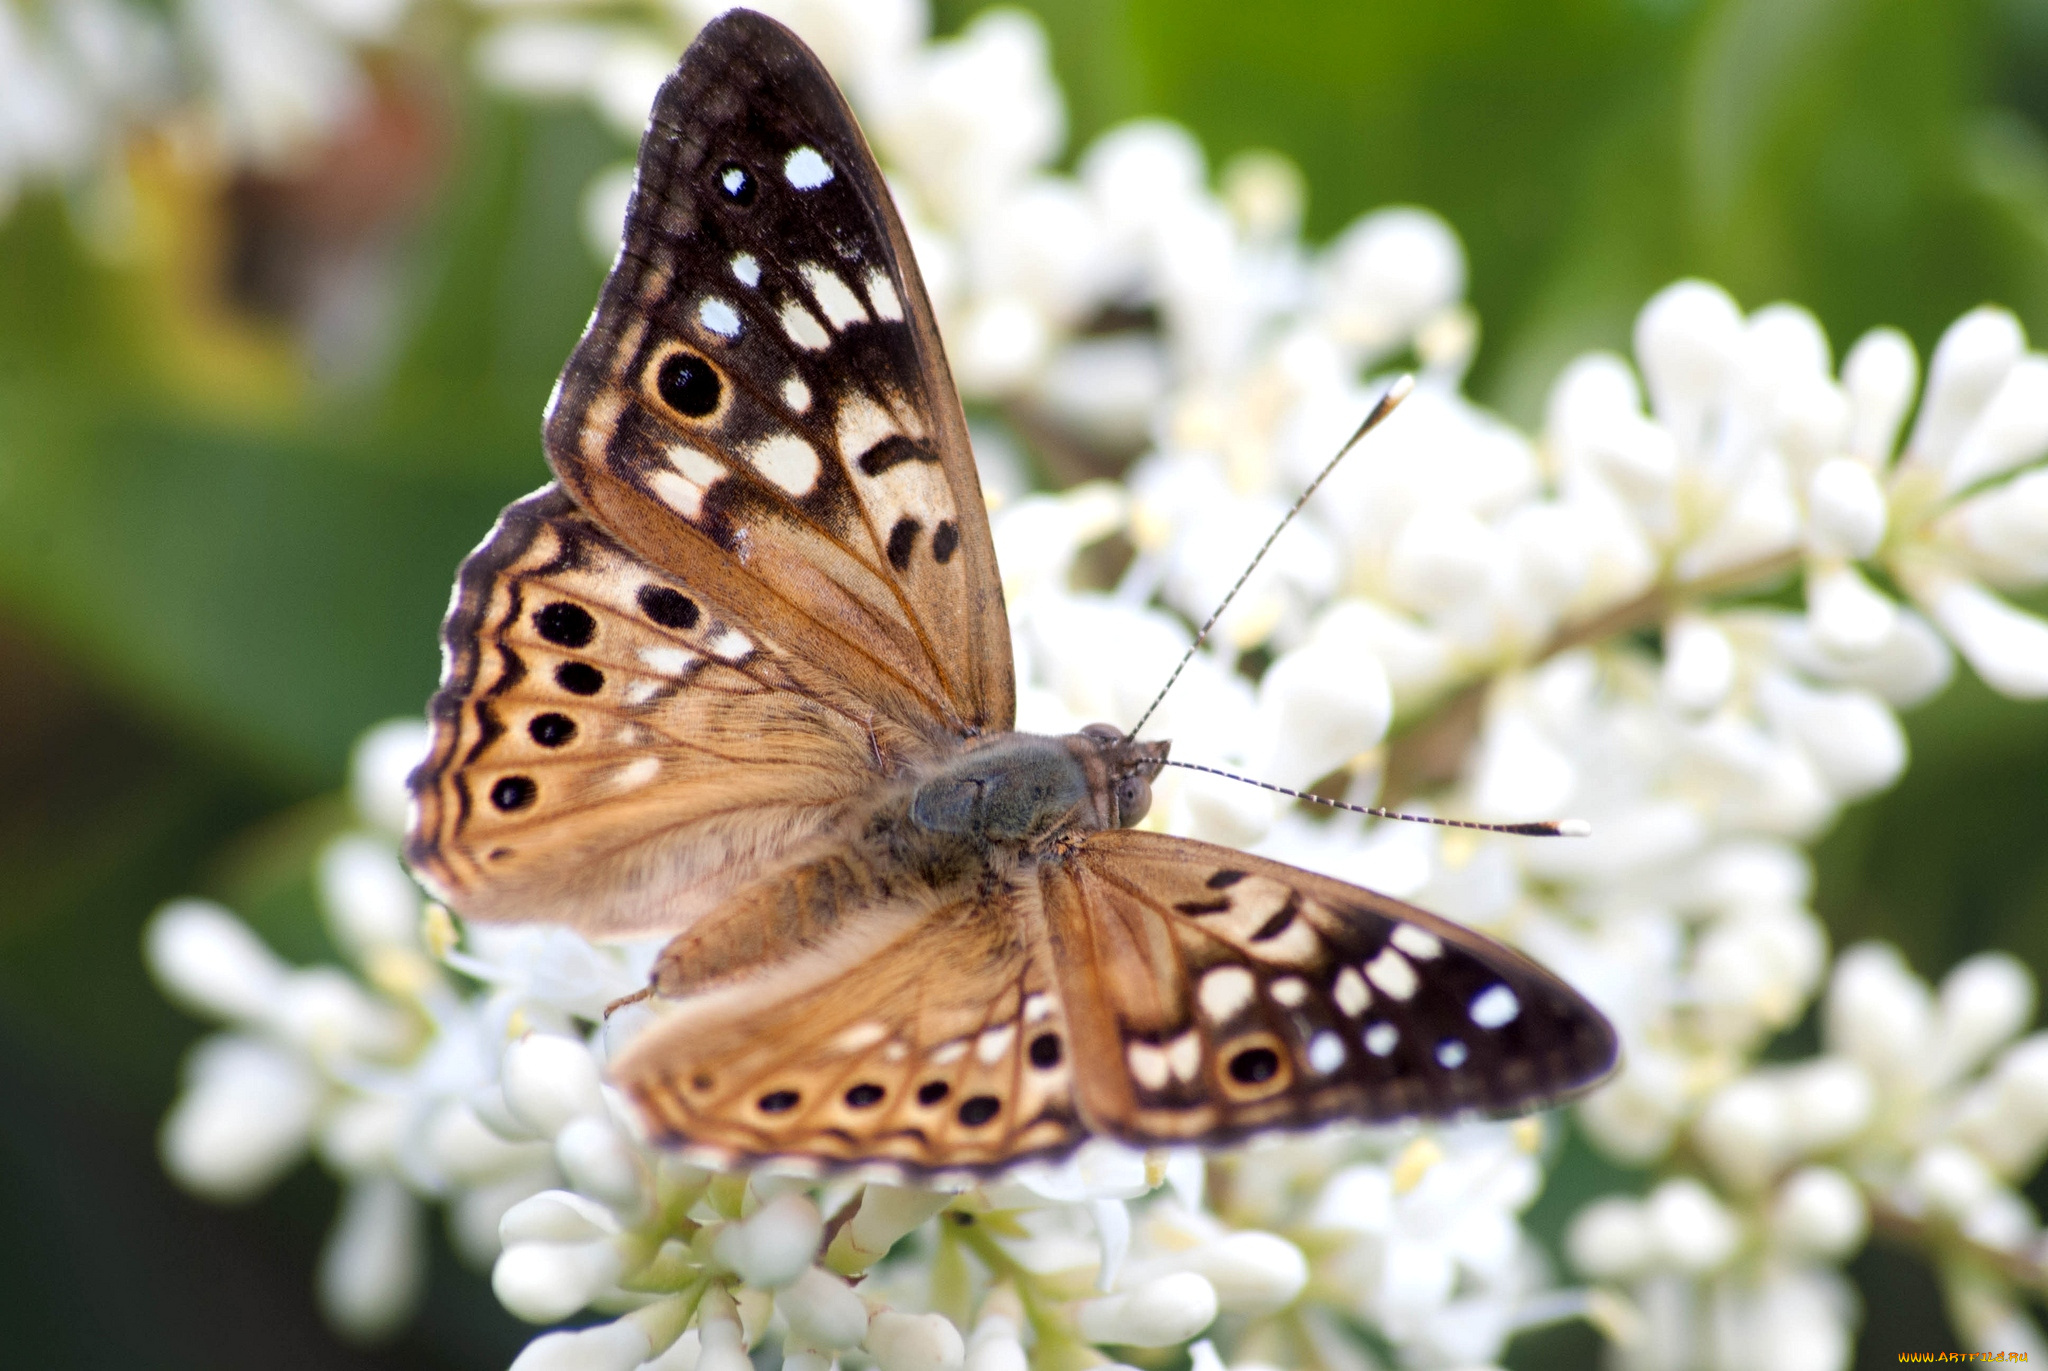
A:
{"x": 1123, "y": 770}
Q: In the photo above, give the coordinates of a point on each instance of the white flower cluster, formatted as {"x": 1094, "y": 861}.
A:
{"x": 1458, "y": 617}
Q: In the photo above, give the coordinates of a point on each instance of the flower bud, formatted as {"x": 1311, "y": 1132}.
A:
{"x": 1687, "y": 339}
{"x": 822, "y": 1310}
{"x": 2007, "y": 646}
{"x": 1969, "y": 362}
{"x": 368, "y": 899}
{"x": 616, "y": 1346}
{"x": 544, "y": 1282}
{"x": 211, "y": 962}
{"x": 1611, "y": 1239}
{"x": 1160, "y": 1313}
{"x": 1951, "y": 1179}
{"x": 1846, "y": 510}
{"x": 467, "y": 1152}
{"x": 997, "y": 1342}
{"x": 886, "y": 1213}
{"x": 723, "y": 1342}
{"x": 556, "y": 1216}
{"x": 245, "y": 1118}
{"x": 1848, "y": 616}
{"x": 2011, "y": 430}
{"x": 682, "y": 1355}
{"x": 382, "y": 760}
{"x": 598, "y": 1162}
{"x": 1326, "y": 702}
{"x": 1828, "y": 1101}
{"x": 1741, "y": 1131}
{"x": 1390, "y": 270}
{"x": 1879, "y": 375}
{"x": 1251, "y": 1272}
{"x": 1819, "y": 1212}
{"x": 1878, "y": 1012}
{"x": 1985, "y": 1001}
{"x": 915, "y": 1342}
{"x": 548, "y": 1081}
{"x": 1699, "y": 664}
{"x": 774, "y": 1245}
{"x": 1854, "y": 741}
{"x": 1694, "y": 1231}
{"x": 373, "y": 1266}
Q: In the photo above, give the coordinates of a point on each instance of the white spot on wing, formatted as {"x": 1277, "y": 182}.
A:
{"x": 1290, "y": 990}
{"x": 1391, "y": 972}
{"x": 732, "y": 645}
{"x": 994, "y": 1042}
{"x": 1184, "y": 1055}
{"x": 948, "y": 1053}
{"x": 859, "y": 1036}
{"x": 806, "y": 169}
{"x": 683, "y": 487}
{"x": 745, "y": 269}
{"x": 1326, "y": 1052}
{"x": 1495, "y": 1006}
{"x": 669, "y": 661}
{"x": 732, "y": 180}
{"x": 1381, "y": 1038}
{"x": 1420, "y": 945}
{"x": 1037, "y": 1006}
{"x": 882, "y": 293}
{"x": 1452, "y": 1053}
{"x": 803, "y": 327}
{"x": 842, "y": 307}
{"x": 796, "y": 394}
{"x": 862, "y": 424}
{"x": 636, "y": 773}
{"x": 788, "y": 461}
{"x": 1224, "y": 991}
{"x": 718, "y": 316}
{"x": 1148, "y": 1065}
{"x": 1351, "y": 992}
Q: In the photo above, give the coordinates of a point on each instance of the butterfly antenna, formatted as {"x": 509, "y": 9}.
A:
{"x": 1547, "y": 828}
{"x": 1396, "y": 393}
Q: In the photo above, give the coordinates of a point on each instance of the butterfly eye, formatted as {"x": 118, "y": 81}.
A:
{"x": 1133, "y": 800}
{"x": 1109, "y": 733}
{"x": 738, "y": 184}
{"x": 688, "y": 384}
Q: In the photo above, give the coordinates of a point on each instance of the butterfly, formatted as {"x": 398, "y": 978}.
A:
{"x": 741, "y": 675}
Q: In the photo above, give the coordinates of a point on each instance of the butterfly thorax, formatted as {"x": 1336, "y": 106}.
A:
{"x": 1026, "y": 787}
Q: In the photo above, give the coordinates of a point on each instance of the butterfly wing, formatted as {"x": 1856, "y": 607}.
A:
{"x": 760, "y": 405}
{"x": 912, "y": 1033}
{"x": 614, "y": 749}
{"x": 1214, "y": 994}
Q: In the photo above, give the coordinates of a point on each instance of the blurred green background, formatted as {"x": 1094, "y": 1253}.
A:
{"x": 219, "y": 564}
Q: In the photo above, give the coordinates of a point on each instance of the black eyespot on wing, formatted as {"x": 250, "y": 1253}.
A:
{"x": 514, "y": 792}
{"x": 551, "y": 730}
{"x": 736, "y": 183}
{"x": 894, "y": 451}
{"x": 777, "y": 1101}
{"x": 1254, "y": 1065}
{"x": 903, "y": 541}
{"x": 1223, "y": 880}
{"x": 688, "y": 384}
{"x": 668, "y": 607}
{"x": 579, "y": 678}
{"x": 945, "y": 541}
{"x": 931, "y": 1092}
{"x": 979, "y": 1110}
{"x": 566, "y": 624}
{"x": 864, "y": 1095}
{"x": 1045, "y": 1051}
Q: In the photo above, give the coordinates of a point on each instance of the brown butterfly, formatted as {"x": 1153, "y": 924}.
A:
{"x": 743, "y": 676}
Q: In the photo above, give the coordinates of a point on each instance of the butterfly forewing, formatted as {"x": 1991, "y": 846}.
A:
{"x": 1219, "y": 994}
{"x": 761, "y": 400}
{"x": 614, "y": 749}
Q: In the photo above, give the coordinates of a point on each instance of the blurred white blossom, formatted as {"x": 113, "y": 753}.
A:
{"x": 1688, "y": 610}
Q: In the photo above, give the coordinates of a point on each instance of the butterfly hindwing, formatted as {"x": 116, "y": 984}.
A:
{"x": 614, "y": 749}
{"x": 761, "y": 401}
{"x": 1221, "y": 994}
{"x": 833, "y": 1029}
